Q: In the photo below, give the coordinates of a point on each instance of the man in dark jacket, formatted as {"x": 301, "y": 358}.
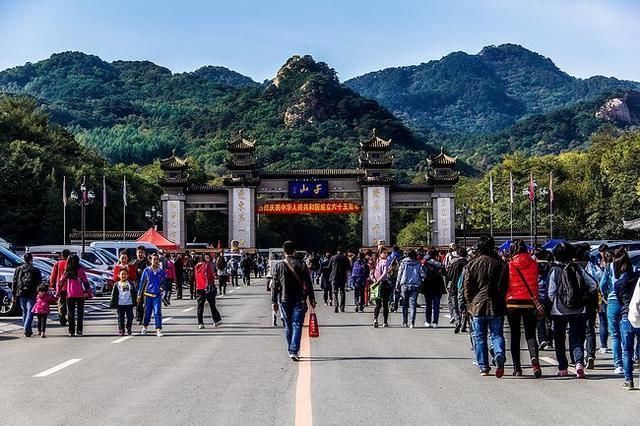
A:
{"x": 141, "y": 264}
{"x": 454, "y": 272}
{"x": 339, "y": 266}
{"x": 245, "y": 267}
{"x": 289, "y": 293}
{"x": 26, "y": 280}
{"x": 485, "y": 292}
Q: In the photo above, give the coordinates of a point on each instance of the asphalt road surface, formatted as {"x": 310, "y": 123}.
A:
{"x": 239, "y": 374}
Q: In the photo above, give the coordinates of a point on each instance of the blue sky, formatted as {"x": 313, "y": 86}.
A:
{"x": 255, "y": 38}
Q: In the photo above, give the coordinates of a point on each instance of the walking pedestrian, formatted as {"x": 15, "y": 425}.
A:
{"x": 410, "y": 276}
{"x": 123, "y": 299}
{"x": 167, "y": 285}
{"x": 522, "y": 295}
{"x": 569, "y": 290}
{"x": 41, "y": 308}
{"x": 433, "y": 287}
{"x": 626, "y": 283}
{"x": 454, "y": 272}
{"x": 178, "y": 270}
{"x": 26, "y": 279}
{"x": 485, "y": 293}
{"x": 245, "y": 268}
{"x": 291, "y": 289}
{"x": 140, "y": 263}
{"x": 75, "y": 284}
{"x": 234, "y": 267}
{"x": 380, "y": 280}
{"x": 325, "y": 280}
{"x": 339, "y": 266}
{"x": 150, "y": 294}
{"x": 56, "y": 273}
{"x": 359, "y": 274}
{"x": 206, "y": 291}
{"x": 545, "y": 332}
{"x": 123, "y": 263}
{"x": 223, "y": 274}
{"x": 393, "y": 265}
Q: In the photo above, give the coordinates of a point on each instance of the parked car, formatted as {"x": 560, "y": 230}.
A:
{"x": 629, "y": 245}
{"x": 9, "y": 261}
{"x": 6, "y": 296}
{"x": 99, "y": 258}
{"x": 6, "y": 244}
{"x": 116, "y": 247}
{"x": 98, "y": 279}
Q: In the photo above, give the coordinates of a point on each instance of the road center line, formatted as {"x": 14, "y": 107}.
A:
{"x": 189, "y": 309}
{"x": 122, "y": 339}
{"x": 166, "y": 319}
{"x": 304, "y": 413}
{"x": 58, "y": 367}
{"x": 552, "y": 361}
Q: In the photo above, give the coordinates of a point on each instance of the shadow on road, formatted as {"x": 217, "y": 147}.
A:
{"x": 376, "y": 358}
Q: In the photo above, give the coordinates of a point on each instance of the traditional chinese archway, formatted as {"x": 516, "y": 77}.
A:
{"x": 369, "y": 189}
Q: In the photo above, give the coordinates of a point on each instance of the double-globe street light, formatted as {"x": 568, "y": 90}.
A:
{"x": 533, "y": 198}
{"x": 154, "y": 216}
{"x": 86, "y": 197}
{"x": 464, "y": 213}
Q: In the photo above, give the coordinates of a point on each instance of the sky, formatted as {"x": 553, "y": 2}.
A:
{"x": 583, "y": 37}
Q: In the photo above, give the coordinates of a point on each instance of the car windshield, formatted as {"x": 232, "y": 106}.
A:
{"x": 9, "y": 259}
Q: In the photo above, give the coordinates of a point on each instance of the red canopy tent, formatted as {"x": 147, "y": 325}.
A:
{"x": 154, "y": 237}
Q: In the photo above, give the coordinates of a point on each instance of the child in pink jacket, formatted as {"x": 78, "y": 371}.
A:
{"x": 41, "y": 308}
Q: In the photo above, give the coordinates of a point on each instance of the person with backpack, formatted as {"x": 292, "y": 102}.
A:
{"x": 150, "y": 292}
{"x": 339, "y": 266}
{"x": 522, "y": 299}
{"x": 393, "y": 266}
{"x": 26, "y": 279}
{"x": 433, "y": 287}
{"x": 380, "y": 289}
{"x": 75, "y": 284}
{"x": 206, "y": 292}
{"x": 123, "y": 299}
{"x": 410, "y": 276}
{"x": 454, "y": 272}
{"x": 359, "y": 275}
{"x": 291, "y": 290}
{"x": 56, "y": 274}
{"x": 570, "y": 290}
{"x": 544, "y": 331}
{"x": 625, "y": 285}
{"x": 485, "y": 294}
{"x": 583, "y": 259}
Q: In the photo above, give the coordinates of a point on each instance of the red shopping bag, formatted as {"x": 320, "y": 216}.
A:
{"x": 314, "y": 329}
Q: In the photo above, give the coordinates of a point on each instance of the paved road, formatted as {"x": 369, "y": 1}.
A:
{"x": 239, "y": 374}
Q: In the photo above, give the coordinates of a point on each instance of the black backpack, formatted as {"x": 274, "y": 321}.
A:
{"x": 573, "y": 291}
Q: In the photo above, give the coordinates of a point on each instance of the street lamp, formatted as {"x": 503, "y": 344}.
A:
{"x": 154, "y": 216}
{"x": 534, "y": 208}
{"x": 85, "y": 198}
{"x": 464, "y": 212}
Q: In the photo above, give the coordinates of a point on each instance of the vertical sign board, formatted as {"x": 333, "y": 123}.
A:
{"x": 444, "y": 221}
{"x": 376, "y": 213}
{"x": 174, "y": 219}
{"x": 242, "y": 216}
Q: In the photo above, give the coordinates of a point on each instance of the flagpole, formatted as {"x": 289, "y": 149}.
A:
{"x": 491, "y": 203}
{"x": 551, "y": 199}
{"x": 511, "y": 205}
{"x": 64, "y": 210}
{"x": 104, "y": 208}
{"x": 124, "y": 208}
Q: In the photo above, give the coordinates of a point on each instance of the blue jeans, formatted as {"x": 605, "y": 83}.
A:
{"x": 293, "y": 316}
{"x": 614, "y": 317}
{"x": 603, "y": 328}
{"x": 628, "y": 333}
{"x": 494, "y": 326}
{"x": 26, "y": 304}
{"x": 576, "y": 325}
{"x": 432, "y": 310}
{"x": 153, "y": 304}
{"x": 409, "y": 300}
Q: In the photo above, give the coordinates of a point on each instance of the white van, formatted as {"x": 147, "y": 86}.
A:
{"x": 116, "y": 247}
{"x": 97, "y": 257}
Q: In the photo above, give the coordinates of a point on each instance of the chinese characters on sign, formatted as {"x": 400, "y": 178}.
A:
{"x": 376, "y": 214}
{"x": 310, "y": 207}
{"x": 241, "y": 216}
{"x": 308, "y": 189}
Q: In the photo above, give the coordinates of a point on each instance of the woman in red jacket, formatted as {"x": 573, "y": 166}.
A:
{"x": 522, "y": 291}
{"x": 206, "y": 291}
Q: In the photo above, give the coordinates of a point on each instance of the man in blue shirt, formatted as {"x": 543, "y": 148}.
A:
{"x": 151, "y": 291}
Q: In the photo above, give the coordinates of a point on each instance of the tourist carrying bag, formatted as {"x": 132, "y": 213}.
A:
{"x": 634, "y": 307}
{"x": 314, "y": 329}
{"x": 540, "y": 312}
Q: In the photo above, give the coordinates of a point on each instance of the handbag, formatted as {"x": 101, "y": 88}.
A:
{"x": 374, "y": 291}
{"x": 540, "y": 311}
{"x": 314, "y": 329}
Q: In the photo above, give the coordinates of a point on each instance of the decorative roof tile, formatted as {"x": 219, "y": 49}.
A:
{"x": 442, "y": 160}
{"x": 375, "y": 143}
{"x": 240, "y": 144}
{"x": 173, "y": 162}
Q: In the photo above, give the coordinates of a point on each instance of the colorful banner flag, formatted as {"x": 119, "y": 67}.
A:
{"x": 532, "y": 188}
{"x": 64, "y": 191}
{"x": 124, "y": 190}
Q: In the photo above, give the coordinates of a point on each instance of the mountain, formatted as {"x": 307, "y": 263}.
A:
{"x": 482, "y": 93}
{"x": 137, "y": 111}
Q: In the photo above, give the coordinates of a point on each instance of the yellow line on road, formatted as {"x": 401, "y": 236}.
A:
{"x": 304, "y": 410}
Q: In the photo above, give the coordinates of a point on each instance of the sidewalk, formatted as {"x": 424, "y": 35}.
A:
{"x": 10, "y": 325}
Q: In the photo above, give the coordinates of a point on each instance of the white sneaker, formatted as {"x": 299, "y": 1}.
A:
{"x": 603, "y": 350}
{"x": 427, "y": 324}
{"x": 411, "y": 325}
{"x": 159, "y": 333}
{"x": 618, "y": 370}
{"x": 200, "y": 326}
{"x": 217, "y": 323}
{"x": 434, "y": 325}
{"x": 143, "y": 332}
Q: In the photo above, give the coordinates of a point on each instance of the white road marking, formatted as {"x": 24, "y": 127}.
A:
{"x": 166, "y": 319}
{"x": 58, "y": 367}
{"x": 122, "y": 339}
{"x": 552, "y": 361}
{"x": 447, "y": 316}
{"x": 189, "y": 309}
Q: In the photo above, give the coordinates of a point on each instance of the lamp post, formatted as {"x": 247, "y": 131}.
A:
{"x": 86, "y": 197}
{"x": 154, "y": 216}
{"x": 464, "y": 212}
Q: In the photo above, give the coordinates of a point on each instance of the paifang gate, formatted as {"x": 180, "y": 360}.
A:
{"x": 370, "y": 189}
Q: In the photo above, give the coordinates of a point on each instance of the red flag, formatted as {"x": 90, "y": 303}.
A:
{"x": 219, "y": 244}
{"x": 532, "y": 188}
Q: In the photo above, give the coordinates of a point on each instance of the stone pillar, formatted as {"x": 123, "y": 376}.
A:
{"x": 445, "y": 221}
{"x": 375, "y": 215}
{"x": 174, "y": 219}
{"x": 242, "y": 216}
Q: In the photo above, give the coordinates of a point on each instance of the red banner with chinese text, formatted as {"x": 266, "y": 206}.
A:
{"x": 297, "y": 207}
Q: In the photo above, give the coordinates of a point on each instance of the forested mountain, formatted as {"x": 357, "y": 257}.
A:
{"x": 482, "y": 93}
{"x": 136, "y": 111}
